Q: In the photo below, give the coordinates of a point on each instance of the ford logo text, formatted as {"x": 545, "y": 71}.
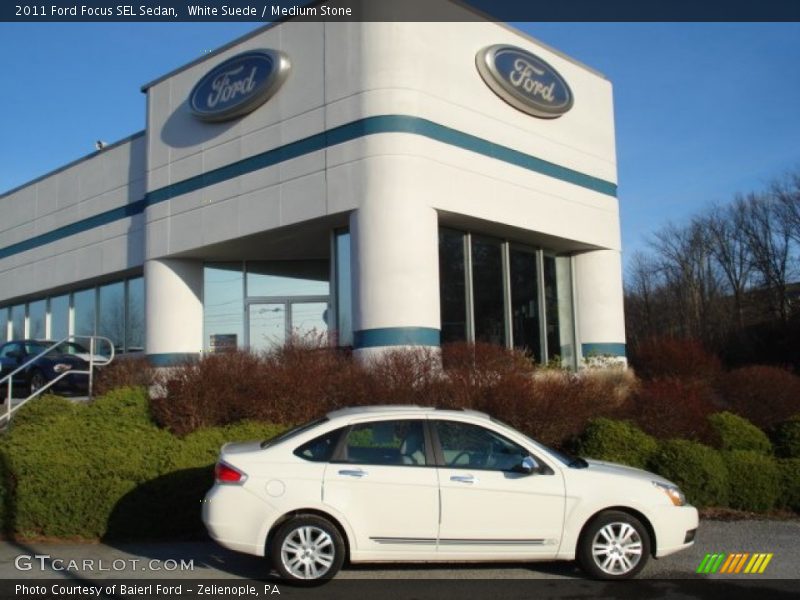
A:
{"x": 524, "y": 81}
{"x": 239, "y": 85}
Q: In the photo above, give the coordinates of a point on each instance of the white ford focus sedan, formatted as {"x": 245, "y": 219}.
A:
{"x": 411, "y": 484}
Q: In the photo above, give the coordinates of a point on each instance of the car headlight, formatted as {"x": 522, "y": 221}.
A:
{"x": 673, "y": 492}
{"x": 61, "y": 367}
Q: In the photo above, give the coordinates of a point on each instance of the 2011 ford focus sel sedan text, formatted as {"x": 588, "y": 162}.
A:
{"x": 411, "y": 484}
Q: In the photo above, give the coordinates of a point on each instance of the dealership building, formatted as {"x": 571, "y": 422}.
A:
{"x": 377, "y": 185}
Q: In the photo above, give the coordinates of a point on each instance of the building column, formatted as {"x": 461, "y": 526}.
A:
{"x": 600, "y": 305}
{"x": 173, "y": 310}
{"x": 395, "y": 275}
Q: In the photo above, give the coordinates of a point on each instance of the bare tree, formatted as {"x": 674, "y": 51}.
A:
{"x": 727, "y": 243}
{"x": 768, "y": 236}
{"x": 786, "y": 192}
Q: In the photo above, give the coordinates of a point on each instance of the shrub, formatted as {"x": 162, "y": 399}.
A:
{"x": 753, "y": 480}
{"x": 789, "y": 472}
{"x": 674, "y": 408}
{"x": 699, "y": 470}
{"x": 125, "y": 371}
{"x": 786, "y": 437}
{"x": 732, "y": 432}
{"x": 105, "y": 470}
{"x": 659, "y": 357}
{"x": 302, "y": 381}
{"x": 616, "y": 441}
{"x": 761, "y": 394}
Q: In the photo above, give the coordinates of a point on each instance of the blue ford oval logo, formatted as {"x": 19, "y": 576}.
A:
{"x": 524, "y": 81}
{"x": 238, "y": 85}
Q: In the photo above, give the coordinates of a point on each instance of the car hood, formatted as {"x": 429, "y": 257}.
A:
{"x": 599, "y": 466}
{"x": 86, "y": 356}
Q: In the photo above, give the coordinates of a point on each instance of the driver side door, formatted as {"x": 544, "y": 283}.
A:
{"x": 488, "y": 509}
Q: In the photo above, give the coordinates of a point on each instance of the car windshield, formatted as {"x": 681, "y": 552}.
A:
{"x": 63, "y": 348}
{"x": 281, "y": 437}
{"x": 574, "y": 462}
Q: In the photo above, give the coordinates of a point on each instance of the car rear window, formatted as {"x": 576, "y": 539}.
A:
{"x": 286, "y": 435}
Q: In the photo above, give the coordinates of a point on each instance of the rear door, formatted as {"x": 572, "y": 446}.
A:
{"x": 383, "y": 478}
{"x": 489, "y": 509}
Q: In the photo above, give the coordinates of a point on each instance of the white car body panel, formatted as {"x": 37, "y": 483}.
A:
{"x": 397, "y": 513}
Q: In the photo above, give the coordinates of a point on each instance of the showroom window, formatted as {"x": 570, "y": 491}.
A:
{"x": 114, "y": 310}
{"x": 260, "y": 305}
{"x": 500, "y": 292}
{"x": 343, "y": 295}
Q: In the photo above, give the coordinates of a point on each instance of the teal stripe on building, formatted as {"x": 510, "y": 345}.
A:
{"x": 337, "y": 135}
{"x": 396, "y": 336}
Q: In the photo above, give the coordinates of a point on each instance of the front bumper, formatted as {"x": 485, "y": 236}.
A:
{"x": 675, "y": 528}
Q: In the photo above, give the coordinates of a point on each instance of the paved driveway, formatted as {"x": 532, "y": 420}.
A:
{"x": 668, "y": 577}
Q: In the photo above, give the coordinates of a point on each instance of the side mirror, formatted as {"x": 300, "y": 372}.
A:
{"x": 528, "y": 466}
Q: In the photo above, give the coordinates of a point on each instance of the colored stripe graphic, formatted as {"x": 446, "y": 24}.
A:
{"x": 734, "y": 563}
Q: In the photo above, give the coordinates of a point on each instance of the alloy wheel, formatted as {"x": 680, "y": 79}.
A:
{"x": 308, "y": 552}
{"x": 617, "y": 548}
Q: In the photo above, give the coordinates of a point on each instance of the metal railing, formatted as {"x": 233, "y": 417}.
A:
{"x": 8, "y": 380}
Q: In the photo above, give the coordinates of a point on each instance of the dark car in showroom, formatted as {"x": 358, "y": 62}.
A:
{"x": 66, "y": 357}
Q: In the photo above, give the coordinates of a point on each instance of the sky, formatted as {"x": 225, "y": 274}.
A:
{"x": 703, "y": 111}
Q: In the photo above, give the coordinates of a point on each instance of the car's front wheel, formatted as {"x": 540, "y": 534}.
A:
{"x": 37, "y": 382}
{"x": 615, "y": 545}
{"x": 307, "y": 549}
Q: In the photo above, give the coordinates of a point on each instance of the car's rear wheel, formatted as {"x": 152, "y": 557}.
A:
{"x": 307, "y": 549}
{"x": 615, "y": 545}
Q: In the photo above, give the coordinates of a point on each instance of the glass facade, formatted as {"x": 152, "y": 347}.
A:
{"x": 18, "y": 322}
{"x": 83, "y": 306}
{"x": 114, "y": 310}
{"x": 495, "y": 291}
{"x": 134, "y": 322}
{"x": 59, "y": 317}
{"x": 37, "y": 313}
{"x": 524, "y": 276}
{"x": 487, "y": 290}
{"x": 111, "y": 314}
{"x": 452, "y": 285}
{"x": 344, "y": 293}
{"x": 261, "y": 304}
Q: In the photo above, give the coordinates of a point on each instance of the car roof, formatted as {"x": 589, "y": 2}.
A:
{"x": 405, "y": 409}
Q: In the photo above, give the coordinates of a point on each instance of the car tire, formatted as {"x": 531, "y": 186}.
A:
{"x": 307, "y": 549}
{"x": 615, "y": 545}
{"x": 37, "y": 381}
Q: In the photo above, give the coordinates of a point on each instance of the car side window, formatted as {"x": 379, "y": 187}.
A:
{"x": 400, "y": 442}
{"x": 8, "y": 349}
{"x": 468, "y": 446}
{"x": 321, "y": 448}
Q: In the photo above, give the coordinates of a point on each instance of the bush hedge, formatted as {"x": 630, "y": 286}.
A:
{"x": 789, "y": 473}
{"x": 762, "y": 394}
{"x": 786, "y": 437}
{"x": 616, "y": 441}
{"x": 300, "y": 381}
{"x": 674, "y": 408}
{"x": 699, "y": 470}
{"x": 105, "y": 470}
{"x": 753, "y": 480}
{"x": 732, "y": 432}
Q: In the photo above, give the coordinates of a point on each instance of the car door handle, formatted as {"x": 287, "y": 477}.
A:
{"x": 353, "y": 472}
{"x": 463, "y": 478}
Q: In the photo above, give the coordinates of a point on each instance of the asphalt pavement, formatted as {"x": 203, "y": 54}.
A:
{"x": 194, "y": 569}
